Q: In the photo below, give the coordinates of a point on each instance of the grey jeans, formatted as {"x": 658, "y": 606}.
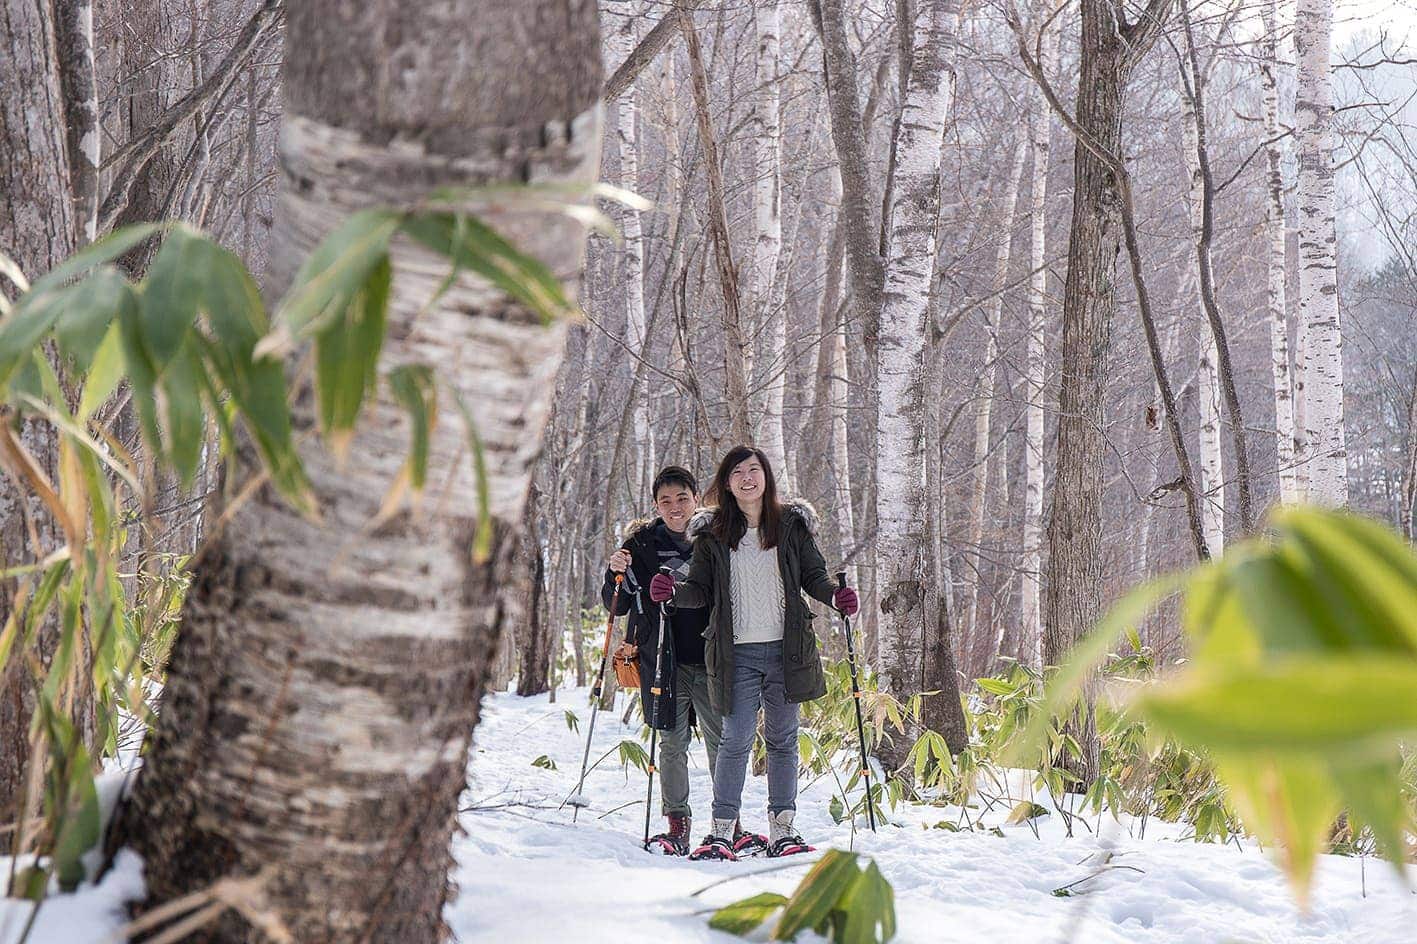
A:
{"x": 691, "y": 687}
{"x": 757, "y": 682}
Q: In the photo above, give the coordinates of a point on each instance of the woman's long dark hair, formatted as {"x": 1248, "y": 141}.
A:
{"x": 729, "y": 524}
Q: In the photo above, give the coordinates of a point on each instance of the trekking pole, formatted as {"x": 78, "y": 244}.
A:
{"x": 654, "y": 692}
{"x": 856, "y": 697}
{"x": 576, "y": 799}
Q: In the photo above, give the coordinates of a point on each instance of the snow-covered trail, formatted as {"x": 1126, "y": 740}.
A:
{"x": 527, "y": 874}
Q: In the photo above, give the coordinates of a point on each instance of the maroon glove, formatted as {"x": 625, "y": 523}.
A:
{"x": 661, "y": 588}
{"x": 846, "y": 601}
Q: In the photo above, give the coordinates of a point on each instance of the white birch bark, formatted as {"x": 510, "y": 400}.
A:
{"x": 1318, "y": 260}
{"x": 900, "y": 356}
{"x": 1040, "y": 140}
{"x": 1277, "y": 263}
{"x": 767, "y": 218}
{"x": 984, "y": 403}
{"x": 1212, "y": 472}
{"x": 621, "y": 20}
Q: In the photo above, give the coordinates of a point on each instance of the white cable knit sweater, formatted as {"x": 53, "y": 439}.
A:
{"x": 756, "y": 583}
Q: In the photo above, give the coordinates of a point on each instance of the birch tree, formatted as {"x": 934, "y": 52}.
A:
{"x": 321, "y": 697}
{"x": 1040, "y": 129}
{"x": 984, "y": 402}
{"x": 910, "y": 258}
{"x": 1321, "y": 355}
{"x": 763, "y": 123}
{"x": 621, "y": 18}
{"x": 1276, "y": 262}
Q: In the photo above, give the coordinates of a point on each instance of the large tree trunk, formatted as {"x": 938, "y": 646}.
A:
{"x": 1322, "y": 351}
{"x": 37, "y": 230}
{"x": 1073, "y": 597}
{"x": 900, "y": 461}
{"x": 1277, "y": 263}
{"x": 323, "y": 691}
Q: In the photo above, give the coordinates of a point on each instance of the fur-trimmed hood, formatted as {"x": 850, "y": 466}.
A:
{"x": 700, "y": 520}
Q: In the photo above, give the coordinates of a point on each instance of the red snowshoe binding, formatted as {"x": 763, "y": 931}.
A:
{"x": 785, "y": 841}
{"x": 673, "y": 842}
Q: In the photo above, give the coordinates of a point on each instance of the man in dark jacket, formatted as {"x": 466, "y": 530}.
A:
{"x": 649, "y": 545}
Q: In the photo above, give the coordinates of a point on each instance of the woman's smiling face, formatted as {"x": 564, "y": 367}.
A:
{"x": 746, "y": 481}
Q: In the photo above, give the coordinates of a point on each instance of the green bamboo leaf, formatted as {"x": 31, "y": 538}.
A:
{"x": 182, "y": 385}
{"x": 818, "y": 894}
{"x": 414, "y": 389}
{"x": 1085, "y": 657}
{"x": 339, "y": 268}
{"x": 173, "y": 295}
{"x": 869, "y": 909}
{"x": 71, "y": 798}
{"x": 742, "y": 917}
{"x": 100, "y": 251}
{"x": 1351, "y": 705}
{"x": 104, "y": 374}
{"x": 1289, "y": 802}
{"x": 88, "y": 311}
{"x": 1369, "y": 570}
{"x": 19, "y": 334}
{"x": 471, "y": 244}
{"x": 347, "y": 354}
{"x": 1373, "y": 794}
{"x": 482, "y": 540}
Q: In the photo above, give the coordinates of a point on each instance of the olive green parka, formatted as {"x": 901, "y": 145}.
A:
{"x": 803, "y": 570}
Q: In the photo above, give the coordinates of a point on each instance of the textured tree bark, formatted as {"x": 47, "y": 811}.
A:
{"x": 861, "y": 216}
{"x": 735, "y": 344}
{"x": 321, "y": 697}
{"x": 37, "y": 230}
{"x": 621, "y": 27}
{"x": 767, "y": 218}
{"x": 1219, "y": 346}
{"x": 983, "y": 405}
{"x": 1210, "y": 459}
{"x": 1040, "y": 128}
{"x": 74, "y": 32}
{"x": 643, "y": 54}
{"x": 1322, "y": 352}
{"x": 1073, "y": 597}
{"x": 1277, "y": 261}
{"x": 900, "y": 367}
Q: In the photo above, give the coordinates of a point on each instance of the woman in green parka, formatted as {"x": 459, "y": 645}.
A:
{"x": 753, "y": 558}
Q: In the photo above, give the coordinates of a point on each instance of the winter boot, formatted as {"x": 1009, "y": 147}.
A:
{"x": 782, "y": 838}
{"x": 675, "y": 840}
{"x": 718, "y": 844}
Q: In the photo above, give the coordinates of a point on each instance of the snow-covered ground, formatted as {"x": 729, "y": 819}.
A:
{"x": 526, "y": 873}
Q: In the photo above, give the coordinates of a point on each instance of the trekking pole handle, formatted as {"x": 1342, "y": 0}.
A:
{"x": 841, "y": 580}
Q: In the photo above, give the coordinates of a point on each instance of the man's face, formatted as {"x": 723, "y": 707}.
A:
{"x": 675, "y": 504}
{"x": 747, "y": 480}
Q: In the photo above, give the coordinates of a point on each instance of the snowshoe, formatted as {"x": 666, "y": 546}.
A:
{"x": 714, "y": 847}
{"x": 786, "y": 846}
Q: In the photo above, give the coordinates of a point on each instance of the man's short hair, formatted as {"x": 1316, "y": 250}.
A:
{"x": 674, "y": 475}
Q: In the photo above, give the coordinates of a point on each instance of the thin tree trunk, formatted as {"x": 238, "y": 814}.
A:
{"x": 767, "y": 217}
{"x": 1035, "y": 369}
{"x": 1327, "y": 459}
{"x": 900, "y": 464}
{"x": 1277, "y": 262}
{"x": 321, "y": 697}
{"x": 735, "y": 345}
{"x": 1219, "y": 342}
{"x": 621, "y": 27}
{"x": 984, "y": 403}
